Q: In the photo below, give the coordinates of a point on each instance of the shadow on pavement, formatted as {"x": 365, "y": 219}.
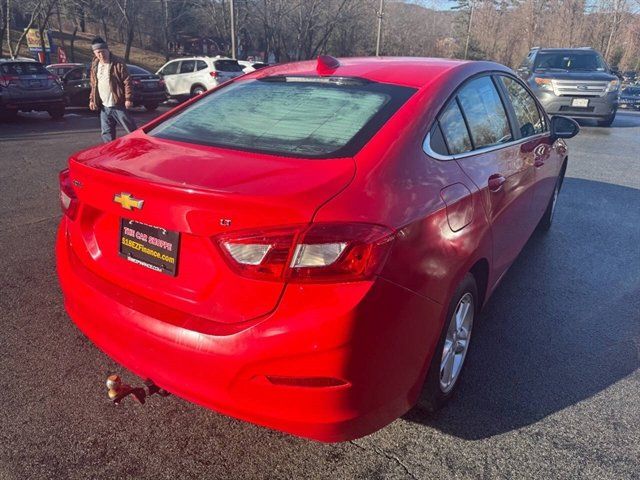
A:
{"x": 622, "y": 120}
{"x": 74, "y": 119}
{"x": 563, "y": 325}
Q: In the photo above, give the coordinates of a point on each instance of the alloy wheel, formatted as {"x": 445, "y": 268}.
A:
{"x": 456, "y": 342}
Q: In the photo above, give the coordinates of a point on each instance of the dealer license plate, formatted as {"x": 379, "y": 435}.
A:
{"x": 148, "y": 246}
{"x": 580, "y": 102}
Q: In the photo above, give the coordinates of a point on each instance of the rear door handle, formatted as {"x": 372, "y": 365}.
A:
{"x": 495, "y": 182}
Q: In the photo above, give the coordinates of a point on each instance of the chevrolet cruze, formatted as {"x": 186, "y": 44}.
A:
{"x": 307, "y": 246}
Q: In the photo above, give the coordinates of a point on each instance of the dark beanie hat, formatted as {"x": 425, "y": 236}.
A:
{"x": 98, "y": 43}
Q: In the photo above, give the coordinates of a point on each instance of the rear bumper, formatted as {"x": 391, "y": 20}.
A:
{"x": 629, "y": 105}
{"x": 375, "y": 336}
{"x": 38, "y": 104}
{"x": 142, "y": 98}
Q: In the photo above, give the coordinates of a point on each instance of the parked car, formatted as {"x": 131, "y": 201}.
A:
{"x": 148, "y": 89}
{"x": 308, "y": 246}
{"x": 77, "y": 86}
{"x": 630, "y": 76}
{"x": 187, "y": 77}
{"x": 630, "y": 98}
{"x": 572, "y": 81}
{"x": 25, "y": 85}
{"x": 249, "y": 66}
{"x": 60, "y": 69}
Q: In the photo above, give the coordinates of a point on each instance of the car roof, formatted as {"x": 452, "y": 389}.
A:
{"x": 414, "y": 72}
{"x": 201, "y": 57}
{"x": 18, "y": 60}
{"x": 61, "y": 65}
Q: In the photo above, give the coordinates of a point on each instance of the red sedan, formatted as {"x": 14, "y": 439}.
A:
{"x": 306, "y": 247}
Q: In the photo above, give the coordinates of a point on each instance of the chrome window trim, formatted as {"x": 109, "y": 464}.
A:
{"x": 426, "y": 147}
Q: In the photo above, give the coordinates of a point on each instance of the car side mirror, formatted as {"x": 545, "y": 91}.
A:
{"x": 563, "y": 127}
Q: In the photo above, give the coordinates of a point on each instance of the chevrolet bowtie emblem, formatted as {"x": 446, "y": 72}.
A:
{"x": 127, "y": 202}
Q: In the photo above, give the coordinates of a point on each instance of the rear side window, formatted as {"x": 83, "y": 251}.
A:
{"x": 187, "y": 66}
{"x": 170, "y": 68}
{"x": 299, "y": 117}
{"x": 135, "y": 70}
{"x": 527, "y": 114}
{"x": 77, "y": 74}
{"x": 436, "y": 141}
{"x": 23, "y": 68}
{"x": 484, "y": 112}
{"x": 201, "y": 65}
{"x": 227, "y": 66}
{"x": 454, "y": 129}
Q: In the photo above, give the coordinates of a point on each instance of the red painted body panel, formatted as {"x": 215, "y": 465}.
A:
{"x": 215, "y": 337}
{"x": 191, "y": 191}
{"x": 349, "y": 331}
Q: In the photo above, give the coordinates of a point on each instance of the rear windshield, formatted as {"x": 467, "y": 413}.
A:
{"x": 570, "y": 61}
{"x": 227, "y": 66}
{"x": 133, "y": 70}
{"x": 300, "y": 117}
{"x": 23, "y": 68}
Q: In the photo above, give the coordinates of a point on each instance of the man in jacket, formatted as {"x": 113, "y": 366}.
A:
{"x": 111, "y": 91}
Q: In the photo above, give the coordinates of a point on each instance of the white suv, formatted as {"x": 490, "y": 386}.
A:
{"x": 185, "y": 77}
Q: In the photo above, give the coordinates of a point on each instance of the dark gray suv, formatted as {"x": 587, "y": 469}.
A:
{"x": 25, "y": 85}
{"x": 575, "y": 82}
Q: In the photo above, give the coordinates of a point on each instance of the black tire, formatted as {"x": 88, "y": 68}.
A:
{"x": 197, "y": 90}
{"x": 547, "y": 219}
{"x": 8, "y": 113}
{"x": 56, "y": 113}
{"x": 433, "y": 395}
{"x": 607, "y": 121}
{"x": 150, "y": 107}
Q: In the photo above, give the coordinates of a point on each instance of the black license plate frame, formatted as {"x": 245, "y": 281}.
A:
{"x": 155, "y": 248}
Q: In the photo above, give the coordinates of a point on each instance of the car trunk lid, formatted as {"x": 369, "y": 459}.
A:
{"x": 195, "y": 193}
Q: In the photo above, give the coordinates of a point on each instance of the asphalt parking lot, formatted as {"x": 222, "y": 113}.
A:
{"x": 551, "y": 390}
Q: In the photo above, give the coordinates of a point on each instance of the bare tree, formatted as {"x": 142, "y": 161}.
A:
{"x": 129, "y": 10}
{"x": 34, "y": 7}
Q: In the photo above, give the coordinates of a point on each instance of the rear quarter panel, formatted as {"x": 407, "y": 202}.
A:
{"x": 398, "y": 185}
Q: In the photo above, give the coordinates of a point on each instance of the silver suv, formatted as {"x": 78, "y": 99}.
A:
{"x": 26, "y": 85}
{"x": 575, "y": 82}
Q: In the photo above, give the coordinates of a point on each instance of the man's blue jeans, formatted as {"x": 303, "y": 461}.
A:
{"x": 109, "y": 116}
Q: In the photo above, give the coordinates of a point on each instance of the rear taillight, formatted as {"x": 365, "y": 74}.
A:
{"x": 323, "y": 252}
{"x": 161, "y": 83}
{"x": 68, "y": 197}
{"x": 6, "y": 80}
{"x": 137, "y": 83}
{"x": 213, "y": 74}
